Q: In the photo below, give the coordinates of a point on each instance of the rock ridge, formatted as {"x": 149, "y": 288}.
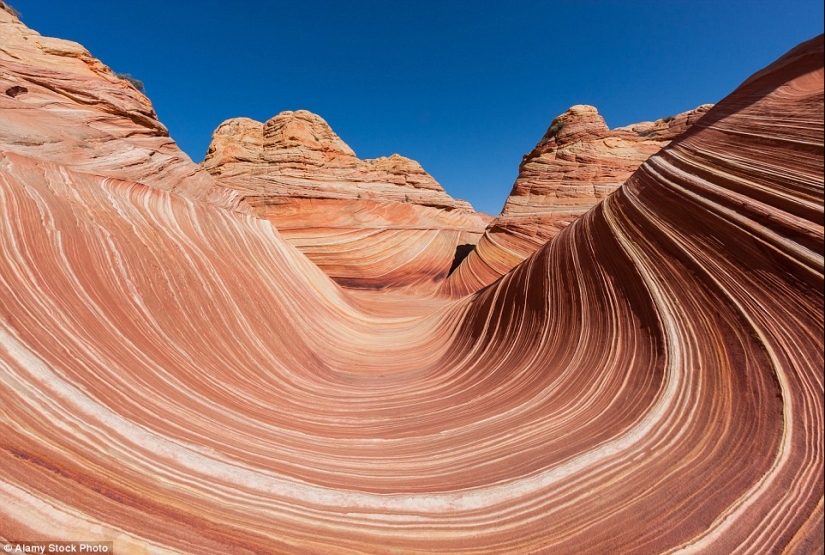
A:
{"x": 344, "y": 213}
{"x": 575, "y": 165}
{"x": 302, "y": 145}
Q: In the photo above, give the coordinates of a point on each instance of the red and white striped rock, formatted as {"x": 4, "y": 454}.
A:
{"x": 577, "y": 163}
{"x": 382, "y": 223}
{"x": 176, "y": 378}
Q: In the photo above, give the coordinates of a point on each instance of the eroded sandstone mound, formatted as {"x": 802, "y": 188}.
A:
{"x": 379, "y": 223}
{"x": 577, "y": 163}
{"x": 176, "y": 378}
{"x": 61, "y": 104}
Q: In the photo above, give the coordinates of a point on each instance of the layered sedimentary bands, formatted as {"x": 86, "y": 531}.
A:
{"x": 175, "y": 377}
{"x": 377, "y": 224}
{"x": 577, "y": 163}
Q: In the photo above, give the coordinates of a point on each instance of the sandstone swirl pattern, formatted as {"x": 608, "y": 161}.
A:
{"x": 177, "y": 378}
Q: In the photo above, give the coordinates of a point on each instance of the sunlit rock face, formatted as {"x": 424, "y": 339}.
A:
{"x": 176, "y": 378}
{"x": 577, "y": 163}
{"x": 61, "y": 104}
{"x": 375, "y": 224}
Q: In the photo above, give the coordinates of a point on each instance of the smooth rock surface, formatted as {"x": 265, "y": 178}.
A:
{"x": 176, "y": 378}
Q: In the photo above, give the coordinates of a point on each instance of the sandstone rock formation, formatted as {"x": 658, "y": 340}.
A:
{"x": 61, "y": 104}
{"x": 577, "y": 163}
{"x": 367, "y": 223}
{"x": 176, "y": 378}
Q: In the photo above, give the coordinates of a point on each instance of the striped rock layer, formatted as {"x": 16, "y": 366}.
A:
{"x": 176, "y": 378}
{"x": 382, "y": 223}
{"x": 577, "y": 163}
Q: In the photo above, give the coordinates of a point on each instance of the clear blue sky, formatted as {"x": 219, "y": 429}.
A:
{"x": 464, "y": 87}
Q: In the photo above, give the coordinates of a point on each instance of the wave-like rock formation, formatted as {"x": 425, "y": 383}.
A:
{"x": 382, "y": 223}
{"x": 176, "y": 378}
{"x": 577, "y": 163}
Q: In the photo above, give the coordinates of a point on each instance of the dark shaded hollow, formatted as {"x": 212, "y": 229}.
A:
{"x": 461, "y": 252}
